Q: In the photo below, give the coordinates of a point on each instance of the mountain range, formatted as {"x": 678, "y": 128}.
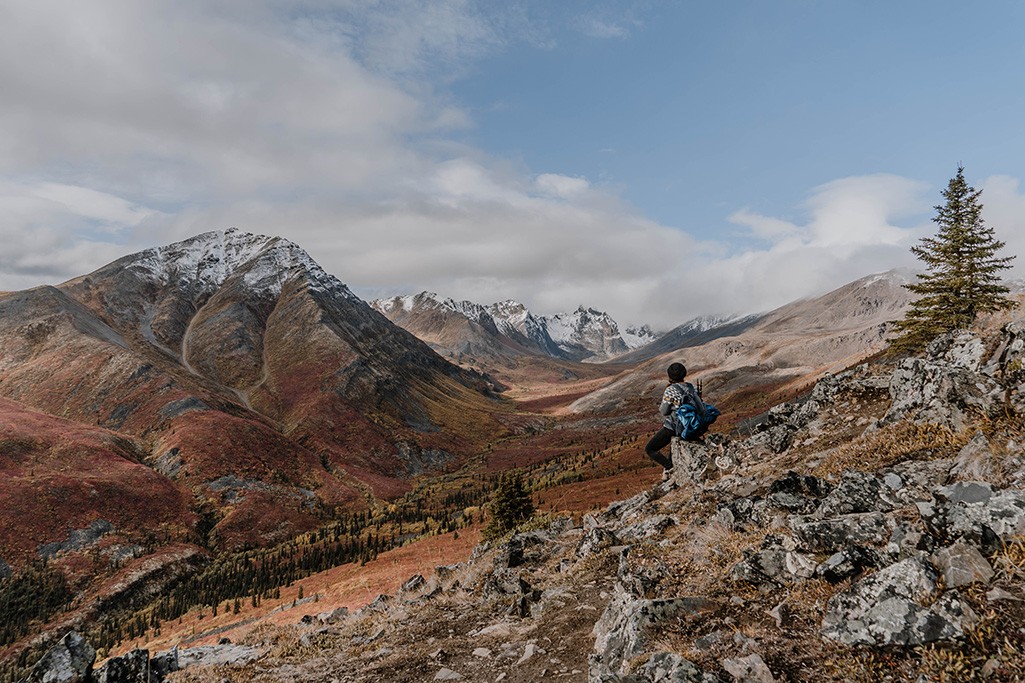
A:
{"x": 467, "y": 330}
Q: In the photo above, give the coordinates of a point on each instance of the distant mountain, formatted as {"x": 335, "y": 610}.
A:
{"x": 694, "y": 332}
{"x": 508, "y": 326}
{"x": 794, "y": 343}
{"x": 243, "y": 375}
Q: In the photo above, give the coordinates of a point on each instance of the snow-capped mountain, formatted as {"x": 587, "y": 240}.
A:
{"x": 583, "y": 335}
{"x": 587, "y": 333}
{"x": 638, "y": 336}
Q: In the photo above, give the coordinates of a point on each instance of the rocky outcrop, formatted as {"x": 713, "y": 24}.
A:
{"x": 69, "y": 661}
{"x": 947, "y": 386}
{"x": 132, "y": 667}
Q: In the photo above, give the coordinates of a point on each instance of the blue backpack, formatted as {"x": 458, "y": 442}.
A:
{"x": 690, "y": 422}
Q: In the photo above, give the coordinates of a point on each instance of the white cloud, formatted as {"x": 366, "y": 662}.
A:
{"x": 124, "y": 125}
{"x": 563, "y": 186}
{"x": 1003, "y": 209}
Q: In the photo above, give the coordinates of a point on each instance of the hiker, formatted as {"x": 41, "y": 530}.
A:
{"x": 676, "y": 394}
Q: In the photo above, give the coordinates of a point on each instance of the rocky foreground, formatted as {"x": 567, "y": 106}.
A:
{"x": 870, "y": 532}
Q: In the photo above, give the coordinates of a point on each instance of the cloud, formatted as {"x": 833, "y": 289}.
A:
{"x": 561, "y": 186}
{"x": 1003, "y": 209}
{"x": 124, "y": 125}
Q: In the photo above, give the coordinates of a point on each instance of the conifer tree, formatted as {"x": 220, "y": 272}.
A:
{"x": 962, "y": 266}
{"x": 510, "y": 507}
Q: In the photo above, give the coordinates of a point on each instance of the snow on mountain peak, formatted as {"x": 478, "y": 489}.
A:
{"x": 208, "y": 260}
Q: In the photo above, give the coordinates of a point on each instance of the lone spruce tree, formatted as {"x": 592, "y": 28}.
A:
{"x": 510, "y": 507}
{"x": 961, "y": 263}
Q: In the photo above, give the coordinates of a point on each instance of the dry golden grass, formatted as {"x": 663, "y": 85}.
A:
{"x": 893, "y": 444}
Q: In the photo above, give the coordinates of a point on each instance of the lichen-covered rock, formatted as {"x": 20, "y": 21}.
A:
{"x": 962, "y": 564}
{"x": 858, "y": 492}
{"x": 831, "y": 535}
{"x": 645, "y": 529}
{"x": 640, "y": 579}
{"x": 776, "y": 565}
{"x": 975, "y": 461}
{"x": 742, "y": 513}
{"x": 668, "y": 667}
{"x": 750, "y": 669}
{"x": 972, "y": 510}
{"x": 887, "y": 608}
{"x": 131, "y": 667}
{"x": 622, "y": 511}
{"x": 503, "y": 582}
{"x": 909, "y": 540}
{"x": 798, "y": 493}
{"x": 775, "y": 439}
{"x": 596, "y": 540}
{"x": 163, "y": 664}
{"x": 915, "y": 480}
{"x": 692, "y": 461}
{"x": 847, "y": 563}
{"x": 945, "y": 387}
{"x": 413, "y": 584}
{"x": 628, "y": 624}
{"x": 69, "y": 661}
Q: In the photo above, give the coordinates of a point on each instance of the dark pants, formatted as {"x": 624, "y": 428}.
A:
{"x": 658, "y": 442}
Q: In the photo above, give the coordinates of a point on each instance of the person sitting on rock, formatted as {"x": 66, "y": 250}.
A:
{"x": 676, "y": 394}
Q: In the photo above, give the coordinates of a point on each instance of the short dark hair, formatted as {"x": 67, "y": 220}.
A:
{"x": 677, "y": 372}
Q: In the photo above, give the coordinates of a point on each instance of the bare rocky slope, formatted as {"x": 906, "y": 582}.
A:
{"x": 872, "y": 530}
{"x": 784, "y": 349}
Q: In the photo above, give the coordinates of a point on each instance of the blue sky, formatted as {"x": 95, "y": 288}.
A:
{"x": 658, "y": 160}
{"x": 695, "y": 109}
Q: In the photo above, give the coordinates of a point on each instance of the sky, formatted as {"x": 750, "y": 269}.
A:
{"x": 656, "y": 159}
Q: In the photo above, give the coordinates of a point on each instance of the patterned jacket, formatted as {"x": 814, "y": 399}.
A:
{"x": 675, "y": 396}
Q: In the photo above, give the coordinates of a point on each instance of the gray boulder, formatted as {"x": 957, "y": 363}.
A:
{"x": 909, "y": 540}
{"x": 69, "y": 661}
{"x": 692, "y": 462}
{"x": 832, "y": 535}
{"x": 798, "y": 493}
{"x": 974, "y": 510}
{"x": 887, "y": 608}
{"x": 945, "y": 387}
{"x": 413, "y": 584}
{"x": 668, "y": 667}
{"x": 628, "y": 625}
{"x": 131, "y": 667}
{"x": 975, "y": 461}
{"x": 962, "y": 564}
{"x": 163, "y": 664}
{"x": 641, "y": 579}
{"x": 776, "y": 565}
{"x": 596, "y": 540}
{"x": 858, "y": 492}
{"x": 847, "y": 563}
{"x": 915, "y": 480}
{"x": 743, "y": 513}
{"x": 750, "y": 669}
{"x": 645, "y": 529}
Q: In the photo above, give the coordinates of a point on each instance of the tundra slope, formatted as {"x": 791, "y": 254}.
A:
{"x": 244, "y": 377}
{"x": 873, "y": 530}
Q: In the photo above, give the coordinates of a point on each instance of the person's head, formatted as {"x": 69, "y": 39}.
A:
{"x": 677, "y": 372}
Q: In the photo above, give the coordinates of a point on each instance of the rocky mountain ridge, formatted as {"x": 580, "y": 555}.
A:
{"x": 585, "y": 334}
{"x": 872, "y": 530}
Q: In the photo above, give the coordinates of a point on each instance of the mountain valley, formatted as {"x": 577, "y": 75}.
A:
{"x": 194, "y": 435}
